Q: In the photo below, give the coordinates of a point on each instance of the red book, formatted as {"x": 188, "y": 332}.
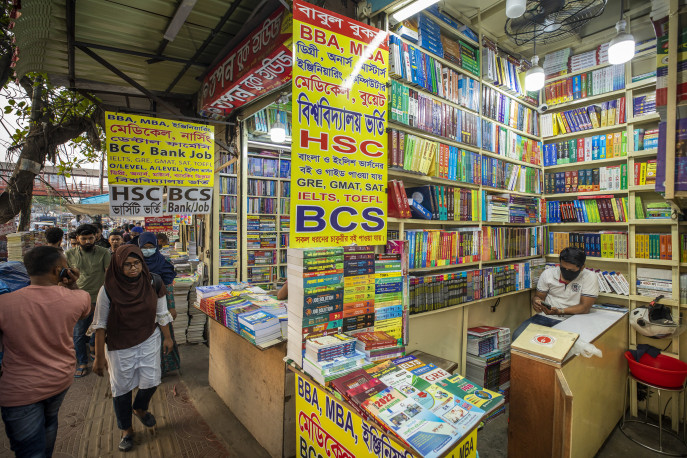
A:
{"x": 621, "y": 110}
{"x": 403, "y": 198}
{"x": 393, "y": 210}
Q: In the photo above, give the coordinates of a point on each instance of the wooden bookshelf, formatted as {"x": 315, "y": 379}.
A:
{"x": 586, "y": 193}
{"x": 469, "y": 303}
{"x": 588, "y": 132}
{"x": 587, "y": 100}
{"x": 585, "y": 164}
{"x": 643, "y": 153}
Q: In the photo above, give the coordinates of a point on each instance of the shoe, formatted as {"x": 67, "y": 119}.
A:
{"x": 127, "y": 443}
{"x": 148, "y": 420}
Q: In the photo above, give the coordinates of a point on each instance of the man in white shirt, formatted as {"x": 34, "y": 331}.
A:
{"x": 567, "y": 289}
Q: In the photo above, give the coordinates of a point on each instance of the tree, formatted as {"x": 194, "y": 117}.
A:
{"x": 53, "y": 123}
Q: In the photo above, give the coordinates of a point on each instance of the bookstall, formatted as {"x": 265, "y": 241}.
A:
{"x": 430, "y": 191}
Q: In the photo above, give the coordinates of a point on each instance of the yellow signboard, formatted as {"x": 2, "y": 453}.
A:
{"x": 339, "y": 149}
{"x": 147, "y": 151}
{"x": 325, "y": 427}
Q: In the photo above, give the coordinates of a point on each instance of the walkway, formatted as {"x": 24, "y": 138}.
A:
{"x": 182, "y": 403}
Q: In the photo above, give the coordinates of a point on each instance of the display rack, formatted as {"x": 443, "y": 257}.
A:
{"x": 226, "y": 224}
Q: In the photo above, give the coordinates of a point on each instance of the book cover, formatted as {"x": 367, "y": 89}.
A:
{"x": 545, "y": 342}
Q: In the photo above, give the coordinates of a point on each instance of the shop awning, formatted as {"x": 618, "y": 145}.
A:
{"x": 126, "y": 37}
{"x": 88, "y": 209}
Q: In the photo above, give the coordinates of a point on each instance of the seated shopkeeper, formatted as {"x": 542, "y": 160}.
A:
{"x": 569, "y": 289}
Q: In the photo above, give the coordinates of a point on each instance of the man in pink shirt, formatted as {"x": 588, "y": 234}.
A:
{"x": 36, "y": 327}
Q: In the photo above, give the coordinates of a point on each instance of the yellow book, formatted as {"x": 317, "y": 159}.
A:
{"x": 617, "y": 144}
{"x": 616, "y": 210}
{"x": 594, "y": 116}
{"x": 604, "y": 115}
{"x": 416, "y": 148}
{"x": 554, "y": 125}
{"x": 609, "y": 146}
{"x": 642, "y": 173}
{"x": 611, "y": 115}
{"x": 420, "y": 155}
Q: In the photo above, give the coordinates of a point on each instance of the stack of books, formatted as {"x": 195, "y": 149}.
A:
{"x": 645, "y": 139}
{"x": 484, "y": 359}
{"x": 644, "y": 104}
{"x": 556, "y": 63}
{"x": 378, "y": 346}
{"x": 359, "y": 288}
{"x": 19, "y": 243}
{"x": 197, "y": 319}
{"x": 327, "y": 348}
{"x": 497, "y": 208}
{"x": 389, "y": 295}
{"x": 259, "y": 327}
{"x": 583, "y": 60}
{"x": 316, "y": 292}
{"x": 429, "y": 35}
{"x": 654, "y": 282}
{"x": 492, "y": 403}
{"x": 330, "y": 357}
{"x": 612, "y": 282}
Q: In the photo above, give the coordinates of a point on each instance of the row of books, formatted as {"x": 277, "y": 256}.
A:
{"x": 228, "y": 223}
{"x": 602, "y": 244}
{"x": 261, "y": 275}
{"x": 228, "y": 258}
{"x": 422, "y": 112}
{"x": 654, "y": 246}
{"x": 511, "y": 242}
{"x": 654, "y": 210}
{"x": 503, "y": 70}
{"x": 645, "y": 139}
{"x": 228, "y": 241}
{"x": 263, "y": 167}
{"x": 509, "y": 208}
{"x": 260, "y": 223}
{"x": 228, "y": 204}
{"x": 589, "y": 84}
{"x": 585, "y": 149}
{"x": 415, "y": 67}
{"x": 652, "y": 282}
{"x": 227, "y": 185}
{"x": 504, "y": 142}
{"x": 506, "y": 110}
{"x": 610, "y": 178}
{"x": 433, "y": 247}
{"x": 643, "y": 105}
{"x": 261, "y": 205}
{"x": 662, "y": 50}
{"x": 262, "y": 187}
{"x": 512, "y": 177}
{"x": 556, "y": 63}
{"x": 612, "y": 282}
{"x": 257, "y": 241}
{"x": 683, "y": 248}
{"x": 416, "y": 154}
{"x": 443, "y": 203}
{"x": 261, "y": 258}
{"x": 434, "y": 292}
{"x": 645, "y": 172}
{"x": 602, "y": 209}
{"x": 611, "y": 113}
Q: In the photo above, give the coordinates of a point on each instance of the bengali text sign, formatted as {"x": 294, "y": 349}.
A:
{"x": 339, "y": 149}
{"x": 147, "y": 151}
{"x": 139, "y": 201}
{"x": 159, "y": 224}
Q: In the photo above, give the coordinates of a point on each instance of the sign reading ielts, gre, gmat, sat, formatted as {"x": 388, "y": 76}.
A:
{"x": 339, "y": 149}
{"x": 144, "y": 151}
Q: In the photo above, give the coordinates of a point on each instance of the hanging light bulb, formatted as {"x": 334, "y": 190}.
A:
{"x": 621, "y": 49}
{"x": 515, "y": 8}
{"x": 534, "y": 78}
{"x": 278, "y": 133}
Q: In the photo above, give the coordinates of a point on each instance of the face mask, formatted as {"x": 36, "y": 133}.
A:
{"x": 569, "y": 275}
{"x": 148, "y": 252}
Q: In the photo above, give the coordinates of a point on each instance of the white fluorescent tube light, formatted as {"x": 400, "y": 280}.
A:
{"x": 413, "y": 8}
{"x": 179, "y": 19}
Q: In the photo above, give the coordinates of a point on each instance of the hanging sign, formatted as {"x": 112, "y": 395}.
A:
{"x": 137, "y": 201}
{"x": 259, "y": 64}
{"x": 327, "y": 427}
{"x": 188, "y": 201}
{"x": 147, "y": 151}
{"x": 339, "y": 150}
{"x": 159, "y": 224}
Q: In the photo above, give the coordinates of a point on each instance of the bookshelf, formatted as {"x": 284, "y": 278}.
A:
{"x": 227, "y": 224}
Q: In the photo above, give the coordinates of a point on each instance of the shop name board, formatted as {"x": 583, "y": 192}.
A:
{"x": 159, "y": 224}
{"x": 148, "y": 151}
{"x": 339, "y": 150}
{"x": 260, "y": 63}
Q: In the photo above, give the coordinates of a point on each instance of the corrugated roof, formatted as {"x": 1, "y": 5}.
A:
{"x": 134, "y": 25}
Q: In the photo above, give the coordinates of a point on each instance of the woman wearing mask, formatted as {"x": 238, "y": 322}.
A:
{"x": 157, "y": 264}
{"x": 130, "y": 313}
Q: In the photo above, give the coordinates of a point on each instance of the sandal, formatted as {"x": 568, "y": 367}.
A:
{"x": 81, "y": 372}
{"x": 91, "y": 353}
{"x": 148, "y": 419}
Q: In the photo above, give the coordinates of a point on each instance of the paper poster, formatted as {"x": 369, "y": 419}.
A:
{"x": 159, "y": 224}
{"x": 139, "y": 201}
{"x": 260, "y": 63}
{"x": 147, "y": 151}
{"x": 188, "y": 201}
{"x": 326, "y": 427}
{"x": 339, "y": 111}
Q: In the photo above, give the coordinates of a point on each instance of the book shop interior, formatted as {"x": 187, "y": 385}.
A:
{"x": 453, "y": 228}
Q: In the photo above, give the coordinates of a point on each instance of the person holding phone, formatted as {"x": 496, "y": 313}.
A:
{"x": 567, "y": 289}
{"x": 36, "y": 324}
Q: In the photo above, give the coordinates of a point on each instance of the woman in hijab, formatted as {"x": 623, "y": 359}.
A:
{"x": 130, "y": 312}
{"x": 157, "y": 264}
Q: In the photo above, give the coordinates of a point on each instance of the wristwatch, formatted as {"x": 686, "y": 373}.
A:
{"x": 560, "y": 311}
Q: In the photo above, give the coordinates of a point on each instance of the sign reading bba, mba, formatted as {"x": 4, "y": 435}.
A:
{"x": 144, "y": 151}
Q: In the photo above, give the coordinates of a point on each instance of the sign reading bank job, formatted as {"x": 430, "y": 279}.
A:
{"x": 143, "y": 151}
{"x": 339, "y": 111}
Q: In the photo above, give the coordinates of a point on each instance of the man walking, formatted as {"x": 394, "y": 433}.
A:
{"x": 116, "y": 240}
{"x": 92, "y": 261}
{"x": 54, "y": 236}
{"x": 36, "y": 324}
{"x": 99, "y": 239}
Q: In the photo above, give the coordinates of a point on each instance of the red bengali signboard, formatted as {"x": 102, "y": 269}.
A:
{"x": 159, "y": 224}
{"x": 260, "y": 63}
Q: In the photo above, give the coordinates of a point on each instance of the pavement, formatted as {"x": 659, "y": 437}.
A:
{"x": 182, "y": 405}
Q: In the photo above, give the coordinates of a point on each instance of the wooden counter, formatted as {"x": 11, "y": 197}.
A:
{"x": 257, "y": 388}
{"x": 569, "y": 409}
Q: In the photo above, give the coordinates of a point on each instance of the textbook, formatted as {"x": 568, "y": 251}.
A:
{"x": 473, "y": 393}
{"x": 546, "y": 342}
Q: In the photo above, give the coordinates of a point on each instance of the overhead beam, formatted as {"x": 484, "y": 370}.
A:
{"x": 148, "y": 55}
{"x": 126, "y": 78}
{"x": 205, "y": 44}
{"x": 71, "y": 34}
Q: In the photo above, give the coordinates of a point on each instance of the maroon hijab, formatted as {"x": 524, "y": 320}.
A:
{"x": 133, "y": 301}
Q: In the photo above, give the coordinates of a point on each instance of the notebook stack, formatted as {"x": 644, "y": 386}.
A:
{"x": 378, "y": 346}
{"x": 359, "y": 288}
{"x": 330, "y": 357}
{"x": 259, "y": 327}
{"x": 389, "y": 295}
{"x": 19, "y": 243}
{"x": 316, "y": 292}
{"x": 484, "y": 357}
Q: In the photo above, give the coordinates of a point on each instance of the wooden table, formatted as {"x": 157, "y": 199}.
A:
{"x": 569, "y": 409}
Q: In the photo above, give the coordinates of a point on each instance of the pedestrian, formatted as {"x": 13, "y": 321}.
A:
{"x": 36, "y": 324}
{"x": 157, "y": 264}
{"x": 127, "y": 233}
{"x": 162, "y": 240}
{"x": 53, "y": 237}
{"x": 136, "y": 231}
{"x": 130, "y": 315}
{"x": 116, "y": 240}
{"x": 73, "y": 241}
{"x": 99, "y": 239}
{"x": 92, "y": 261}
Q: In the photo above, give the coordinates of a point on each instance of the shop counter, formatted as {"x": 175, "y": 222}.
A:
{"x": 256, "y": 386}
{"x": 568, "y": 409}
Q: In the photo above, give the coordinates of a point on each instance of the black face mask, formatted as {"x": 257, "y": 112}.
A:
{"x": 569, "y": 275}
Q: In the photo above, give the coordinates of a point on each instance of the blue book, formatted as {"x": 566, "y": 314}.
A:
{"x": 595, "y": 147}
{"x": 418, "y": 210}
{"x": 424, "y": 248}
{"x": 602, "y": 147}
